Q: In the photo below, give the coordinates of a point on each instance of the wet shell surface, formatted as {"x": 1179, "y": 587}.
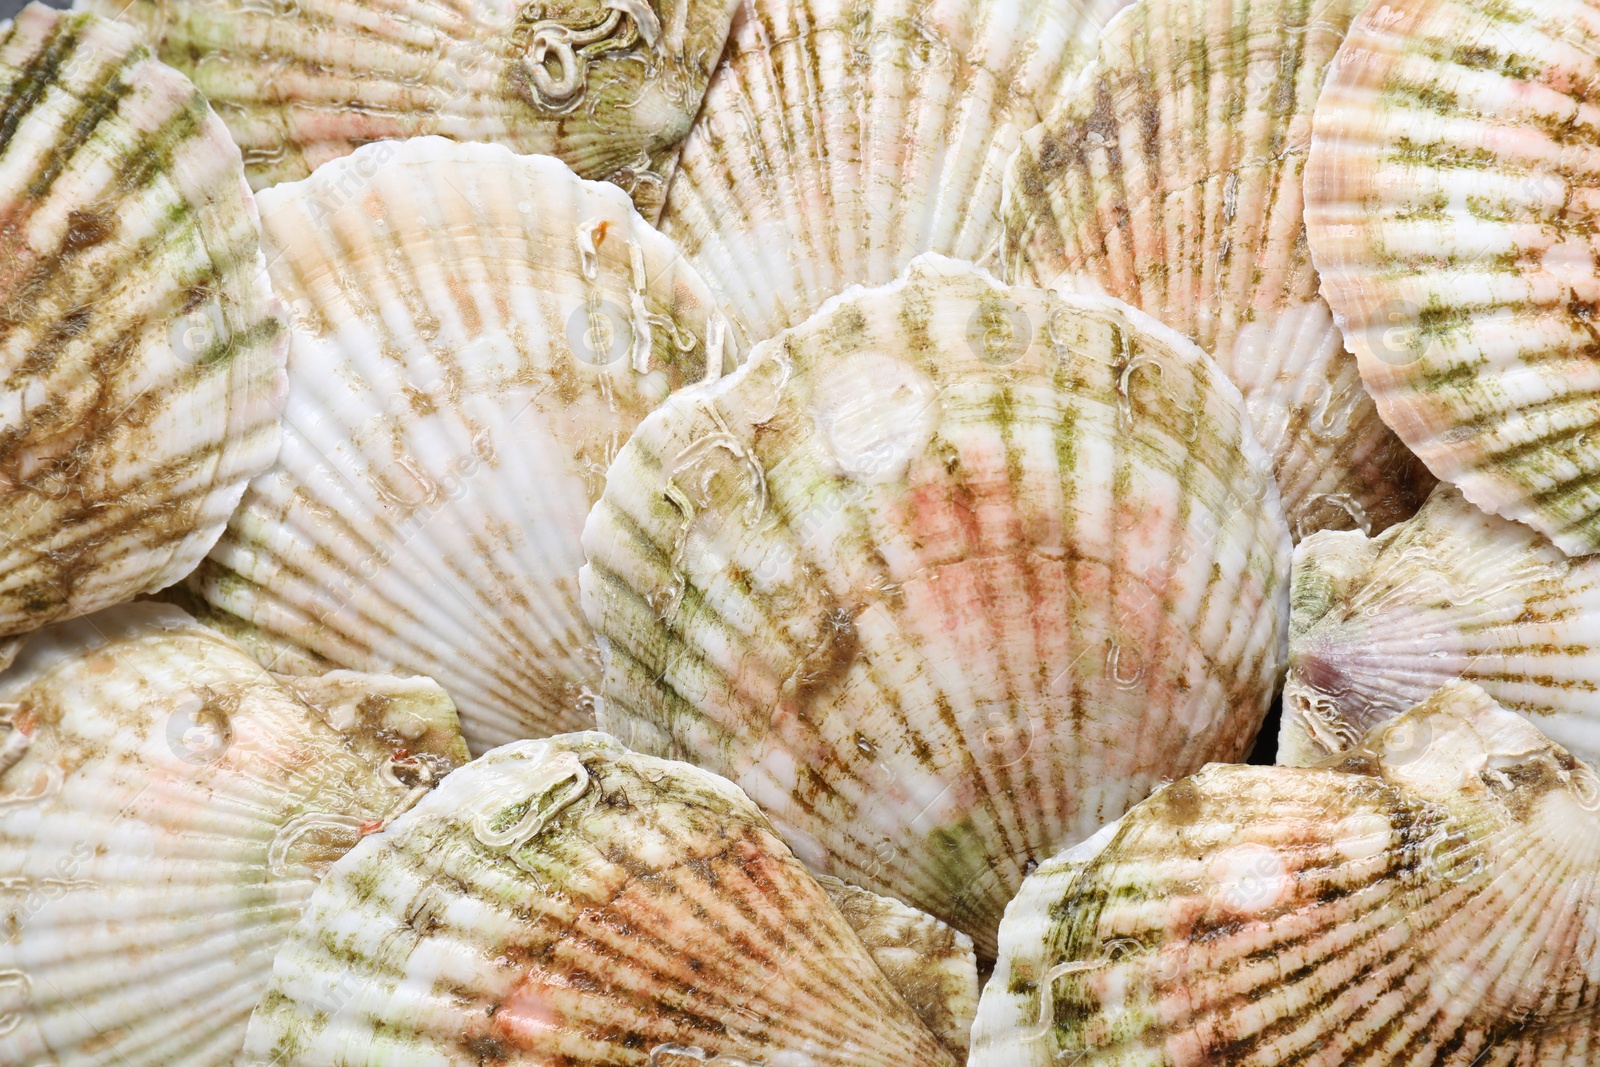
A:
{"x": 932, "y": 966}
{"x": 141, "y": 353}
{"x": 1378, "y": 624}
{"x": 475, "y": 334}
{"x": 165, "y": 808}
{"x": 609, "y": 86}
{"x": 1432, "y": 899}
{"x": 1170, "y": 177}
{"x": 567, "y": 901}
{"x": 943, "y": 599}
{"x": 841, "y": 138}
{"x": 1450, "y": 209}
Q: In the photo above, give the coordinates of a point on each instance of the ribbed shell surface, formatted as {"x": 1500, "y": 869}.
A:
{"x": 141, "y": 354}
{"x": 1433, "y": 899}
{"x": 609, "y": 86}
{"x": 1170, "y": 177}
{"x": 841, "y": 138}
{"x": 1451, "y": 204}
{"x": 569, "y": 902}
{"x": 1376, "y": 625}
{"x": 930, "y": 964}
{"x": 474, "y": 336}
{"x": 944, "y": 578}
{"x": 165, "y": 809}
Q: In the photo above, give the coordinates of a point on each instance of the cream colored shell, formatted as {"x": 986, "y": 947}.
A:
{"x": 944, "y": 578}
{"x": 568, "y": 902}
{"x": 1431, "y": 898}
{"x": 141, "y": 352}
{"x": 475, "y": 334}
{"x": 166, "y": 807}
{"x": 1170, "y": 177}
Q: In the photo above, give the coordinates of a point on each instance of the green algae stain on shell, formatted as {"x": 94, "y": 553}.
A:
{"x": 944, "y": 597}
{"x": 566, "y": 901}
{"x": 608, "y": 86}
{"x": 140, "y": 348}
{"x": 1429, "y": 898}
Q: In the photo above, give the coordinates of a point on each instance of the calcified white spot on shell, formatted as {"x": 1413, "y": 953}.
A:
{"x": 1438, "y": 908}
{"x": 163, "y": 818}
{"x": 1450, "y": 209}
{"x": 609, "y": 87}
{"x": 1170, "y": 177}
{"x": 971, "y": 608}
{"x": 567, "y": 901}
{"x": 141, "y": 353}
{"x": 1378, "y": 624}
{"x": 931, "y": 965}
{"x": 841, "y": 138}
{"x": 460, "y": 377}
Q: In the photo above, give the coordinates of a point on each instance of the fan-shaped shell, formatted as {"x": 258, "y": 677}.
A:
{"x": 1170, "y": 177}
{"x": 165, "y": 809}
{"x": 1379, "y": 624}
{"x": 141, "y": 354}
{"x": 609, "y": 86}
{"x": 475, "y": 334}
{"x": 1450, "y": 209}
{"x": 931, "y": 965}
{"x": 841, "y": 138}
{"x": 943, "y": 597}
{"x": 566, "y": 901}
{"x": 1431, "y": 899}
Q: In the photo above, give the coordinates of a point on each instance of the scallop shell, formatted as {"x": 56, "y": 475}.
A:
{"x": 140, "y": 347}
{"x": 841, "y": 138}
{"x": 566, "y": 901}
{"x": 1431, "y": 899}
{"x": 1169, "y": 177}
{"x": 475, "y": 335}
{"x": 1450, "y": 208}
{"x": 1379, "y": 624}
{"x": 932, "y": 966}
{"x": 944, "y": 578}
{"x": 609, "y": 86}
{"x": 165, "y": 809}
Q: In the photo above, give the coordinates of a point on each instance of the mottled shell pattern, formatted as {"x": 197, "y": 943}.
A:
{"x": 1170, "y": 177}
{"x": 945, "y": 578}
{"x": 841, "y": 138}
{"x": 1432, "y": 897}
{"x": 475, "y": 335}
{"x": 1450, "y": 200}
{"x": 1378, "y": 624}
{"x": 608, "y": 86}
{"x": 141, "y": 352}
{"x": 165, "y": 808}
{"x": 930, "y": 964}
{"x": 567, "y": 901}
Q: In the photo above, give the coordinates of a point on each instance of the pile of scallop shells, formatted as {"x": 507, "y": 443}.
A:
{"x": 763, "y": 533}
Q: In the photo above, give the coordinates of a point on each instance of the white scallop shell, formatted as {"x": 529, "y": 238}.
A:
{"x": 165, "y": 809}
{"x": 1169, "y": 177}
{"x": 841, "y": 138}
{"x": 609, "y": 86}
{"x": 945, "y": 578}
{"x": 1432, "y": 898}
{"x": 475, "y": 335}
{"x": 1379, "y": 624}
{"x": 568, "y": 902}
{"x": 1450, "y": 202}
{"x": 141, "y": 353}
